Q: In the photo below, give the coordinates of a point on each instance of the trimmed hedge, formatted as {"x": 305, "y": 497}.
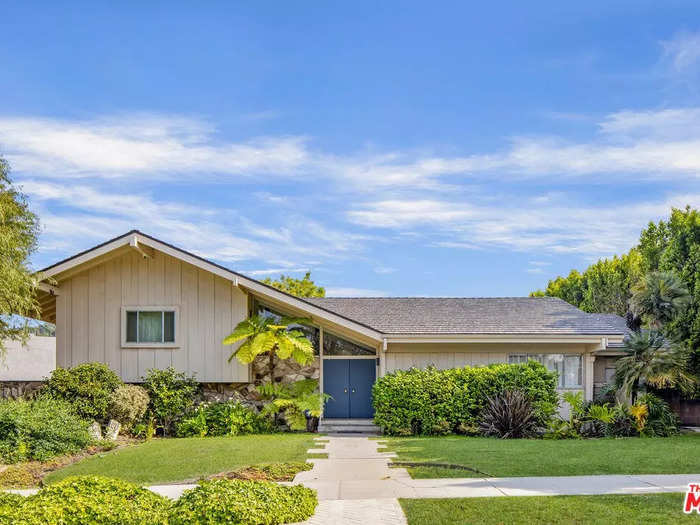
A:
{"x": 87, "y": 499}
{"x": 244, "y": 502}
{"x": 432, "y": 401}
{"x": 40, "y": 429}
{"x": 88, "y": 387}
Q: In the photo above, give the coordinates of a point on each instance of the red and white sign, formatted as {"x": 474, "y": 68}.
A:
{"x": 692, "y": 499}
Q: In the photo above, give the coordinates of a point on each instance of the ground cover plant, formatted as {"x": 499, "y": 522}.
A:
{"x": 87, "y": 499}
{"x": 40, "y": 430}
{"x": 623, "y": 509}
{"x": 244, "y": 502}
{"x": 433, "y": 401}
{"x": 172, "y": 460}
{"x": 536, "y": 457}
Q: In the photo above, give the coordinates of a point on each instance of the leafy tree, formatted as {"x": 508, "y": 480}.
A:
{"x": 19, "y": 228}
{"x": 650, "y": 360}
{"x": 604, "y": 287}
{"x": 658, "y": 297}
{"x": 300, "y": 287}
{"x": 271, "y": 336}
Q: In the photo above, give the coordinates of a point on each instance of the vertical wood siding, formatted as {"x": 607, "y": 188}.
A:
{"x": 88, "y": 317}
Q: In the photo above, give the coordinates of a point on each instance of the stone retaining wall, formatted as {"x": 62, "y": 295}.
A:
{"x": 19, "y": 389}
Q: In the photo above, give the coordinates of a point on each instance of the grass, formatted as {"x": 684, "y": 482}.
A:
{"x": 649, "y": 508}
{"x": 173, "y": 460}
{"x": 536, "y": 457}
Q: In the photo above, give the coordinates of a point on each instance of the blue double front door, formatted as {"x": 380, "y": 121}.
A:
{"x": 349, "y": 382}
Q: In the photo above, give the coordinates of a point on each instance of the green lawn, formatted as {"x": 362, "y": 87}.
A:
{"x": 536, "y": 457}
{"x": 651, "y": 508}
{"x": 171, "y": 460}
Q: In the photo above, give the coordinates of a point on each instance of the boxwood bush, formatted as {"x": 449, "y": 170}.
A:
{"x": 88, "y": 387}
{"x": 244, "y": 502}
{"x": 87, "y": 499}
{"x": 40, "y": 429}
{"x": 433, "y": 401}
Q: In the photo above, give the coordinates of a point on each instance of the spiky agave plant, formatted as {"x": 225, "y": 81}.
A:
{"x": 508, "y": 415}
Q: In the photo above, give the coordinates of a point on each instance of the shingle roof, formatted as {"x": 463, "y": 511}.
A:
{"x": 482, "y": 315}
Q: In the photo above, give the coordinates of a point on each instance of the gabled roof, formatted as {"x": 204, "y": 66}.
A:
{"x": 377, "y": 318}
{"x": 480, "y": 315}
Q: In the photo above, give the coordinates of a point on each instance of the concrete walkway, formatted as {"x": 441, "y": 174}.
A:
{"x": 356, "y": 485}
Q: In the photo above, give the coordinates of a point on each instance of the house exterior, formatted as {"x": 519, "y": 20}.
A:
{"x": 136, "y": 302}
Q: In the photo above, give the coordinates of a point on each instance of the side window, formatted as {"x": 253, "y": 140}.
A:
{"x": 149, "y": 326}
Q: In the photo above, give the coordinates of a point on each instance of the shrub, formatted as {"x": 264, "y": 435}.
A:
{"x": 421, "y": 401}
{"x": 623, "y": 423}
{"x": 88, "y": 387}
{"x": 128, "y": 404}
{"x": 244, "y": 502}
{"x": 293, "y": 401}
{"x": 40, "y": 429}
{"x": 89, "y": 499}
{"x": 508, "y": 415}
{"x": 661, "y": 421}
{"x": 171, "y": 394}
{"x": 227, "y": 418}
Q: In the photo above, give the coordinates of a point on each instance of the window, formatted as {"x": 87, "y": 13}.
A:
{"x": 567, "y": 366}
{"x": 149, "y": 326}
{"x": 311, "y": 332}
{"x": 334, "y": 345}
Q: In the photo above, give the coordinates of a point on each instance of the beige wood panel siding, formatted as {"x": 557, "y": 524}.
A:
{"x": 401, "y": 356}
{"x": 88, "y": 317}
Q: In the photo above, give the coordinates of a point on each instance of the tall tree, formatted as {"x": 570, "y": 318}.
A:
{"x": 267, "y": 335}
{"x": 650, "y": 359}
{"x": 658, "y": 298}
{"x": 300, "y": 287}
{"x": 19, "y": 228}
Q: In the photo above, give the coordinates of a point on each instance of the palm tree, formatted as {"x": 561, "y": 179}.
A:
{"x": 650, "y": 360}
{"x": 658, "y": 297}
{"x": 273, "y": 336}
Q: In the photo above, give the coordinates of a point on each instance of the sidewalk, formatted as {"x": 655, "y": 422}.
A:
{"x": 356, "y": 485}
{"x": 355, "y": 470}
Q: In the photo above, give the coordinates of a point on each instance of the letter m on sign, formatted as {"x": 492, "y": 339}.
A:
{"x": 692, "y": 502}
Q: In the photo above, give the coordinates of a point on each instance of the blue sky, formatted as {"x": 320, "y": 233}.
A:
{"x": 391, "y": 148}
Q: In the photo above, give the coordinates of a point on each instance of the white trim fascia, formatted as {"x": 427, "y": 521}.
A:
{"x": 261, "y": 289}
{"x": 134, "y": 239}
{"x": 498, "y": 338}
{"x": 88, "y": 256}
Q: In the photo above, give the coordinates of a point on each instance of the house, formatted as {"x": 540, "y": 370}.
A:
{"x": 136, "y": 302}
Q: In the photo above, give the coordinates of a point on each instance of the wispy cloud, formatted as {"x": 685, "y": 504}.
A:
{"x": 128, "y": 145}
{"x": 273, "y": 271}
{"x": 88, "y": 214}
{"x": 660, "y": 144}
{"x": 560, "y": 227}
{"x": 682, "y": 51}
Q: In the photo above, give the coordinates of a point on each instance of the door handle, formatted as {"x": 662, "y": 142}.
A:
{"x": 353, "y": 390}
{"x": 345, "y": 391}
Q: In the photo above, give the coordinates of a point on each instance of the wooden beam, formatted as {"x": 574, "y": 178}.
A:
{"x": 146, "y": 251}
{"x": 49, "y": 289}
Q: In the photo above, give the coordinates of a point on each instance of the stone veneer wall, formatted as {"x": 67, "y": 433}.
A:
{"x": 19, "y": 389}
{"x": 286, "y": 371}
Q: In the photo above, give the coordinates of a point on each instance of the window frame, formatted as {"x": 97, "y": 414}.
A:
{"x": 165, "y": 308}
{"x": 516, "y": 358}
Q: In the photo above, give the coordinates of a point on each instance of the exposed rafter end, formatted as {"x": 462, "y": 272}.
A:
{"x": 49, "y": 288}
{"x": 146, "y": 251}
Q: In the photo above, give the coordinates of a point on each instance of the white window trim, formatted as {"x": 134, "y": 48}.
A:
{"x": 562, "y": 376}
{"x": 165, "y": 308}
